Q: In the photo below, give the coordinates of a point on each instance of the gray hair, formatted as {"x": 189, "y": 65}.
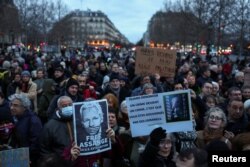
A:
{"x": 239, "y": 74}
{"x": 22, "y": 98}
{"x": 63, "y": 98}
{"x": 123, "y": 106}
{"x": 215, "y": 109}
{"x": 87, "y": 105}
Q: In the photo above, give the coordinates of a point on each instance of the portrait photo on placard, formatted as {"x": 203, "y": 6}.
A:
{"x": 90, "y": 125}
{"x": 176, "y": 107}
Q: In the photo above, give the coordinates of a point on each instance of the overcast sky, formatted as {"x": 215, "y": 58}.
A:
{"x": 129, "y": 16}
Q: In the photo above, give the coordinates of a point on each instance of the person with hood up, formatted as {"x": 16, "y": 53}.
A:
{"x": 45, "y": 99}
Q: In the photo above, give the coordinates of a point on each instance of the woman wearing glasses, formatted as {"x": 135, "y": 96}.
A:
{"x": 159, "y": 151}
{"x": 215, "y": 121}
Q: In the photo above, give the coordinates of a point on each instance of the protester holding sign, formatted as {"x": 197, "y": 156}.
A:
{"x": 93, "y": 136}
{"x": 57, "y": 132}
{"x": 90, "y": 125}
{"x": 73, "y": 153}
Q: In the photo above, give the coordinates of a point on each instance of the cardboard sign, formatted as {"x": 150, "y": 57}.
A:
{"x": 171, "y": 111}
{"x": 15, "y": 158}
{"x": 90, "y": 120}
{"x": 155, "y": 60}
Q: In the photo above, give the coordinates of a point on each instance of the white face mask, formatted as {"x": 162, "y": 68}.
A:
{"x": 67, "y": 111}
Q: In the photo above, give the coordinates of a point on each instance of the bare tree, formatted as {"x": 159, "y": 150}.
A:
{"x": 60, "y": 9}
{"x": 240, "y": 22}
{"x": 10, "y": 26}
{"x": 37, "y": 18}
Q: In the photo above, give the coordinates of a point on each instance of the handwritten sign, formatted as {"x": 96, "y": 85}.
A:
{"x": 171, "y": 110}
{"x": 155, "y": 60}
{"x": 15, "y": 158}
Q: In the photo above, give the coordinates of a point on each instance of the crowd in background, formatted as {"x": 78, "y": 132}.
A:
{"x": 36, "y": 88}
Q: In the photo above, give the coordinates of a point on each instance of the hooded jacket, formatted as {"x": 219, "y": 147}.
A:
{"x": 46, "y": 97}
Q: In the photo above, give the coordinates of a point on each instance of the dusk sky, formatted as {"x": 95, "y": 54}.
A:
{"x": 129, "y": 16}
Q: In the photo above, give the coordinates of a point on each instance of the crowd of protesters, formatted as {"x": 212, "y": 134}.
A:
{"x": 36, "y": 90}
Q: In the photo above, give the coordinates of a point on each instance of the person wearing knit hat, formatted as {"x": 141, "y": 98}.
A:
{"x": 148, "y": 88}
{"x": 114, "y": 76}
{"x": 71, "y": 89}
{"x": 6, "y": 64}
{"x": 115, "y": 88}
{"x": 25, "y": 73}
{"x": 71, "y": 82}
{"x": 29, "y": 88}
{"x": 59, "y": 68}
{"x": 114, "y": 81}
{"x": 124, "y": 82}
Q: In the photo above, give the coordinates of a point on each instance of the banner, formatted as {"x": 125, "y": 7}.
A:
{"x": 15, "y": 158}
{"x": 155, "y": 60}
{"x": 90, "y": 121}
{"x": 171, "y": 110}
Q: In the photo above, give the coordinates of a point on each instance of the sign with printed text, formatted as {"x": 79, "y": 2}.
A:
{"x": 90, "y": 119}
{"x": 171, "y": 110}
{"x": 15, "y": 157}
{"x": 155, "y": 60}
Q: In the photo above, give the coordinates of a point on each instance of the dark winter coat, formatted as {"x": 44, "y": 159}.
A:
{"x": 28, "y": 128}
{"x": 5, "y": 115}
{"x": 150, "y": 158}
{"x": 46, "y": 97}
{"x": 55, "y": 136}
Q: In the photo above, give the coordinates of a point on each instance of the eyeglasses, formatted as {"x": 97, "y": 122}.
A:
{"x": 212, "y": 117}
{"x": 164, "y": 142}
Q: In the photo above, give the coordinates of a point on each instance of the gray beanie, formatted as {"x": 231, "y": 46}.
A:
{"x": 26, "y": 73}
{"x": 6, "y": 64}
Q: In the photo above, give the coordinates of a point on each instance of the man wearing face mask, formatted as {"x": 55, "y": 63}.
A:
{"x": 57, "y": 133}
